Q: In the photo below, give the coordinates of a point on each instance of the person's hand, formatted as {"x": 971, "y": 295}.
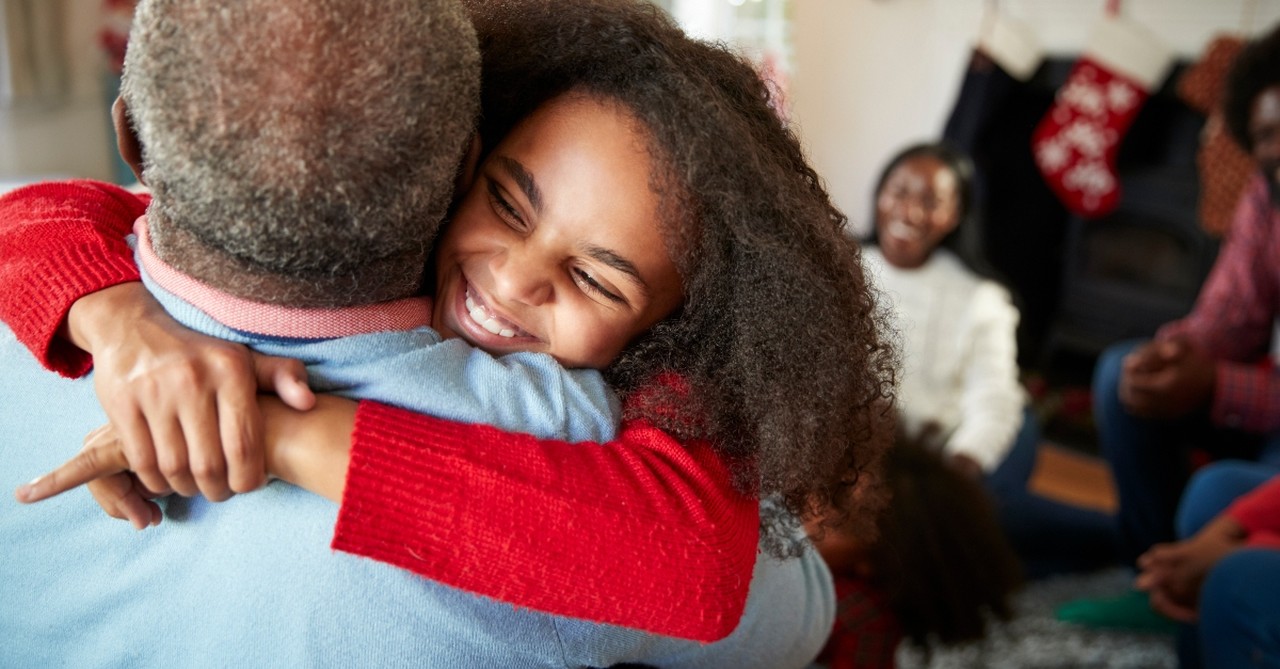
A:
{"x": 966, "y": 465}
{"x": 1166, "y": 379}
{"x": 183, "y": 404}
{"x": 101, "y": 465}
{"x": 1173, "y": 573}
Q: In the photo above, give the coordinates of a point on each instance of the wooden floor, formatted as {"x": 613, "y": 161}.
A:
{"x": 1069, "y": 476}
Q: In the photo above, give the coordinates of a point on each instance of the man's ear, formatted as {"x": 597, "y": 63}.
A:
{"x": 126, "y": 139}
{"x": 467, "y": 173}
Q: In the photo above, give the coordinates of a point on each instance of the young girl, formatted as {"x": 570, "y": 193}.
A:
{"x": 958, "y": 328}
{"x": 770, "y": 362}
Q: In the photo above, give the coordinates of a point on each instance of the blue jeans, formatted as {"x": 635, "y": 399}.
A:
{"x": 1239, "y": 622}
{"x": 1151, "y": 459}
{"x": 1050, "y": 537}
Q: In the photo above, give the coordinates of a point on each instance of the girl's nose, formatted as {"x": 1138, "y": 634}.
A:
{"x": 522, "y": 275}
{"x": 908, "y": 208}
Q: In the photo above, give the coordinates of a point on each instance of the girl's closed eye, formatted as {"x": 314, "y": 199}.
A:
{"x": 503, "y": 207}
{"x": 590, "y": 285}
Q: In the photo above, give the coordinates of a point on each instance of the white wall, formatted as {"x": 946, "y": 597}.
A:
{"x": 69, "y": 136}
{"x": 874, "y": 75}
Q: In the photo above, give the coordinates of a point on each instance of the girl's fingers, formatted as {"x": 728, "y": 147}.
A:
{"x": 171, "y": 456}
{"x": 207, "y": 464}
{"x": 240, "y": 429}
{"x": 136, "y": 445}
{"x": 98, "y": 459}
{"x": 285, "y": 377}
{"x": 120, "y": 497}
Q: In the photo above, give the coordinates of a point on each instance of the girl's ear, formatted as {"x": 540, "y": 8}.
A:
{"x": 467, "y": 172}
{"x": 126, "y": 139}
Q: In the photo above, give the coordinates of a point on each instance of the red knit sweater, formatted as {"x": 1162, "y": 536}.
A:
{"x": 643, "y": 532}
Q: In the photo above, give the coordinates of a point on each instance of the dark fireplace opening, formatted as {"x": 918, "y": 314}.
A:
{"x": 1128, "y": 273}
{"x": 1080, "y": 284}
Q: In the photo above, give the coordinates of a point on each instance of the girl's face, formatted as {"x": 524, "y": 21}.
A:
{"x": 556, "y": 248}
{"x": 917, "y": 207}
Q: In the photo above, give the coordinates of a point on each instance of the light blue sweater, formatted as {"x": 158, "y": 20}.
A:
{"x": 251, "y": 582}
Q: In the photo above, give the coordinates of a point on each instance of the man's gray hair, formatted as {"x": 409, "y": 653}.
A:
{"x": 312, "y": 144}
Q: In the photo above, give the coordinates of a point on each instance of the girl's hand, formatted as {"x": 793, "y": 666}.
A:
{"x": 310, "y": 450}
{"x": 183, "y": 404}
{"x": 101, "y": 465}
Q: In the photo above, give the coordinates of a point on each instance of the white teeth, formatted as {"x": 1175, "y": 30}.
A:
{"x": 489, "y": 323}
{"x": 902, "y": 230}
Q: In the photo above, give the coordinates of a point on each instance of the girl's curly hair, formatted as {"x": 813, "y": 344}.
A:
{"x": 779, "y": 344}
{"x": 942, "y": 557}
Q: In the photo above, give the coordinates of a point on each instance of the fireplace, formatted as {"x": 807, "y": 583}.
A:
{"x": 1084, "y": 284}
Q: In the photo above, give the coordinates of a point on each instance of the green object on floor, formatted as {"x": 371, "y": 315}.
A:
{"x": 1130, "y": 611}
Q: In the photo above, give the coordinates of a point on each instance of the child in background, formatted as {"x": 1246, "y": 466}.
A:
{"x": 939, "y": 570}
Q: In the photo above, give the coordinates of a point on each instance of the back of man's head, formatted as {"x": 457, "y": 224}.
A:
{"x": 301, "y": 151}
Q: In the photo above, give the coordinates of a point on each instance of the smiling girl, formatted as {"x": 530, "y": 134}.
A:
{"x": 644, "y": 212}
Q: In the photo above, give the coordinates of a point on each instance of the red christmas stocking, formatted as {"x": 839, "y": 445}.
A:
{"x": 1075, "y": 143}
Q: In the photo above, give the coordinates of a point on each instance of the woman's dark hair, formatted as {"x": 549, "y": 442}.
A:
{"x": 966, "y": 239}
{"x": 1255, "y": 69}
{"x": 942, "y": 557}
{"x": 778, "y": 349}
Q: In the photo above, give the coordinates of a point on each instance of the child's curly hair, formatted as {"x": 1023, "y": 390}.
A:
{"x": 779, "y": 343}
{"x": 942, "y": 557}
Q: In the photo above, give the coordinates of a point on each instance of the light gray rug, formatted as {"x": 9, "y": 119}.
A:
{"x": 1035, "y": 640}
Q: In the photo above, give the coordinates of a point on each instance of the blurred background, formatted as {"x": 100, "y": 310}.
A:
{"x": 863, "y": 77}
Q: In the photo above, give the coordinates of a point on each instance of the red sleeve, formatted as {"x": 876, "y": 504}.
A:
{"x": 643, "y": 532}
{"x": 1246, "y": 396}
{"x": 1258, "y": 512}
{"x": 1234, "y": 316}
{"x": 58, "y": 243}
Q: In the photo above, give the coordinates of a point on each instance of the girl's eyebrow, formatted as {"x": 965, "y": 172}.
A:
{"x": 619, "y": 263}
{"x": 524, "y": 179}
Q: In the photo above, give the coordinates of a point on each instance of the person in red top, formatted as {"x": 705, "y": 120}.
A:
{"x": 1206, "y": 383}
{"x": 1223, "y": 578}
{"x": 776, "y": 358}
{"x": 1209, "y": 369}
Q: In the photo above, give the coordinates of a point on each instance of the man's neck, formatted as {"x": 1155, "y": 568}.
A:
{"x": 247, "y": 316}
{"x": 388, "y": 279}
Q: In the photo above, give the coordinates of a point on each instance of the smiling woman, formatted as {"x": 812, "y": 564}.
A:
{"x": 554, "y": 247}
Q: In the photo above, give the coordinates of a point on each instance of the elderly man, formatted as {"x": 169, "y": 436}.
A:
{"x": 269, "y": 128}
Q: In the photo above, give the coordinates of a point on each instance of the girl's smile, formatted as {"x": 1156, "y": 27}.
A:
{"x": 558, "y": 247}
